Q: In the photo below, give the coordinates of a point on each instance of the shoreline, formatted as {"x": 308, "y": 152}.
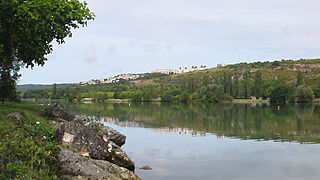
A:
{"x": 67, "y": 146}
{"x": 234, "y": 101}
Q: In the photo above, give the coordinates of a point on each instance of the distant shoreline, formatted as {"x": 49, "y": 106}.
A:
{"x": 234, "y": 101}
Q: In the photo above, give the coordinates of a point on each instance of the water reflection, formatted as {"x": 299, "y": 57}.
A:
{"x": 299, "y": 123}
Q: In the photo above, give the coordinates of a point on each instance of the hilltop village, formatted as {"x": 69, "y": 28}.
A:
{"x": 129, "y": 76}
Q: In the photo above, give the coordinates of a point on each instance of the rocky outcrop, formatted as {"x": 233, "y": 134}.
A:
{"x": 110, "y": 134}
{"x": 57, "y": 113}
{"x": 79, "y": 167}
{"x": 119, "y": 157}
{"x": 96, "y": 149}
{"x": 104, "y": 131}
{"x": 83, "y": 140}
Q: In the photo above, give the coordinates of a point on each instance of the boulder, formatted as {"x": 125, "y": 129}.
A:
{"x": 58, "y": 113}
{"x": 17, "y": 116}
{"x": 119, "y": 157}
{"x": 113, "y": 135}
{"x": 79, "y": 167}
{"x": 104, "y": 131}
{"x": 147, "y": 168}
{"x": 84, "y": 120}
{"x": 85, "y": 141}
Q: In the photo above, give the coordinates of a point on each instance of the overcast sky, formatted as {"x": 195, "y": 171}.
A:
{"x": 133, "y": 36}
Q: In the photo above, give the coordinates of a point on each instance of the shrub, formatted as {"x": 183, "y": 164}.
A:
{"x": 304, "y": 94}
{"x": 316, "y": 90}
{"x": 282, "y": 93}
{"x": 27, "y": 147}
{"x": 166, "y": 97}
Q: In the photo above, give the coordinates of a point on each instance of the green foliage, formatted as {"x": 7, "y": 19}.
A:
{"x": 299, "y": 79}
{"x": 275, "y": 63}
{"x": 304, "y": 94}
{"x": 27, "y": 29}
{"x": 257, "y": 84}
{"x": 316, "y": 90}
{"x": 184, "y": 97}
{"x": 246, "y": 85}
{"x": 267, "y": 87}
{"x": 95, "y": 127}
{"x": 166, "y": 97}
{"x": 136, "y": 96}
{"x": 214, "y": 85}
{"x": 282, "y": 93}
{"x": 27, "y": 147}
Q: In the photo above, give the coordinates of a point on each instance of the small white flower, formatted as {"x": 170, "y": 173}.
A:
{"x": 37, "y": 122}
{"x": 44, "y": 137}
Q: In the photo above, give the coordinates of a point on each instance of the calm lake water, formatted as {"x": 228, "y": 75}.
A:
{"x": 206, "y": 141}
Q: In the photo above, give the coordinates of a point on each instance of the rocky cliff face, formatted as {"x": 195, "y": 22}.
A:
{"x": 89, "y": 150}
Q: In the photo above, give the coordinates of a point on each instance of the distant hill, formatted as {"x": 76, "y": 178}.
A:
{"x": 219, "y": 84}
{"x": 26, "y": 87}
{"x": 284, "y": 69}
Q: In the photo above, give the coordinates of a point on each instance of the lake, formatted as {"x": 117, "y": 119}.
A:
{"x": 210, "y": 141}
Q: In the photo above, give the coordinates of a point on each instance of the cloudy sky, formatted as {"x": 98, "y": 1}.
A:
{"x": 138, "y": 36}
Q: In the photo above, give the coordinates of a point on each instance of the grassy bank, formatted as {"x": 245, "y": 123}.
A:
{"x": 27, "y": 147}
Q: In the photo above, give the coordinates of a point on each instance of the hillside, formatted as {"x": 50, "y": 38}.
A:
{"x": 277, "y": 81}
{"x": 26, "y": 87}
{"x": 285, "y": 69}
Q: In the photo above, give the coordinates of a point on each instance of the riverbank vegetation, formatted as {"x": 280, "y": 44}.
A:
{"x": 27, "y": 147}
{"x": 278, "y": 81}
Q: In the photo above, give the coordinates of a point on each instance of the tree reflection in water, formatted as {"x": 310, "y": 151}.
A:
{"x": 299, "y": 123}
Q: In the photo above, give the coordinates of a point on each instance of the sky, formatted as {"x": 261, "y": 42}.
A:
{"x": 142, "y": 35}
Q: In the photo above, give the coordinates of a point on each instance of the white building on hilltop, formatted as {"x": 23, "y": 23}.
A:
{"x": 221, "y": 65}
{"x": 182, "y": 69}
{"x": 166, "y": 71}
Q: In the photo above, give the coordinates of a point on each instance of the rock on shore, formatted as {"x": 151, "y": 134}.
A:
{"x": 90, "y": 151}
{"x": 79, "y": 167}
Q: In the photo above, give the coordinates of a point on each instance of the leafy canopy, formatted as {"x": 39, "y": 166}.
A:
{"x": 27, "y": 27}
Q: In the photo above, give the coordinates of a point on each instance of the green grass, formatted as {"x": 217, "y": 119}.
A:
{"x": 27, "y": 147}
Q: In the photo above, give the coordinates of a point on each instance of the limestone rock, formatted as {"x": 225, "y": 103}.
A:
{"x": 113, "y": 135}
{"x": 17, "y": 116}
{"x": 83, "y": 140}
{"x": 58, "y": 113}
{"x": 119, "y": 157}
{"x": 78, "y": 167}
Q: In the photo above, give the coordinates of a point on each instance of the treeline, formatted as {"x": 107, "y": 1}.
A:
{"x": 206, "y": 88}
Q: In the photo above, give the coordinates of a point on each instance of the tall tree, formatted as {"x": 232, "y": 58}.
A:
{"x": 257, "y": 84}
{"x": 236, "y": 86}
{"x": 54, "y": 91}
{"x": 225, "y": 82}
{"x": 299, "y": 79}
{"x": 228, "y": 84}
{"x": 246, "y": 88}
{"x": 27, "y": 29}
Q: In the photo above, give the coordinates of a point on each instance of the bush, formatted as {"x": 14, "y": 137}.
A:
{"x": 136, "y": 96}
{"x": 282, "y": 93}
{"x": 316, "y": 90}
{"x": 166, "y": 97}
{"x": 304, "y": 94}
{"x": 184, "y": 97}
{"x": 27, "y": 147}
